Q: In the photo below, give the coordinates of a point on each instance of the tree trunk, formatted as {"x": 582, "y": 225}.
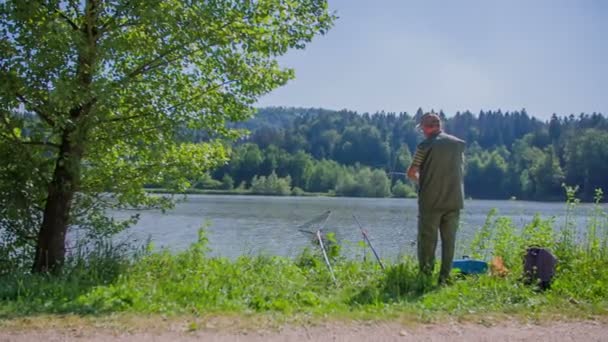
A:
{"x": 50, "y": 248}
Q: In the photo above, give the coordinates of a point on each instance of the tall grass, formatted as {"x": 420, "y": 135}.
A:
{"x": 107, "y": 279}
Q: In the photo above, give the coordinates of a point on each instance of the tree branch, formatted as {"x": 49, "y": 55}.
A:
{"x": 114, "y": 18}
{"x": 124, "y": 118}
{"x": 67, "y": 19}
{"x": 18, "y": 140}
{"x": 74, "y": 5}
{"x": 40, "y": 143}
{"x": 139, "y": 132}
{"x": 154, "y": 63}
{"x": 197, "y": 95}
{"x": 40, "y": 113}
{"x": 158, "y": 62}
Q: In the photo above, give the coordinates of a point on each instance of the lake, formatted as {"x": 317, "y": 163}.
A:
{"x": 239, "y": 225}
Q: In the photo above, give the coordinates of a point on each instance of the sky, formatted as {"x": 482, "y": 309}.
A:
{"x": 547, "y": 56}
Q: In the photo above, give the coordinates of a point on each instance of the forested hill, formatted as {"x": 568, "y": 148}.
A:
{"x": 509, "y": 154}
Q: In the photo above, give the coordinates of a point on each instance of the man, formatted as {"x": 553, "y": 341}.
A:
{"x": 438, "y": 169}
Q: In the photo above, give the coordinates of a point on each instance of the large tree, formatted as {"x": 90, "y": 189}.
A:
{"x": 586, "y": 153}
{"x": 94, "y": 93}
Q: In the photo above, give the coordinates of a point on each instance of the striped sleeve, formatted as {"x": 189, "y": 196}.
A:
{"x": 419, "y": 155}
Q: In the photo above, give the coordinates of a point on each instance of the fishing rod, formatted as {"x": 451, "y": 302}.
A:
{"x": 331, "y": 271}
{"x": 369, "y": 243}
{"x": 319, "y": 237}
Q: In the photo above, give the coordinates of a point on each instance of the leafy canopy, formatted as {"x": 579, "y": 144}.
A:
{"x": 117, "y": 79}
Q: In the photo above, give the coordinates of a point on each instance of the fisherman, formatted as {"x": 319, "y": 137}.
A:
{"x": 437, "y": 168}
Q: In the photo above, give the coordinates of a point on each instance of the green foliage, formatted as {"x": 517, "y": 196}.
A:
{"x": 206, "y": 182}
{"x": 403, "y": 190}
{"x": 271, "y": 185}
{"x": 567, "y": 237}
{"x": 105, "y": 278}
{"x": 499, "y": 237}
{"x": 333, "y": 247}
{"x": 509, "y": 155}
{"x": 94, "y": 95}
{"x": 310, "y": 175}
{"x": 403, "y": 159}
{"x": 364, "y": 182}
{"x": 324, "y": 176}
{"x": 227, "y": 182}
{"x": 98, "y": 263}
{"x": 480, "y": 244}
{"x": 486, "y": 170}
{"x": 400, "y": 282}
{"x": 297, "y": 191}
{"x": 597, "y": 224}
{"x": 585, "y": 155}
{"x": 242, "y": 186}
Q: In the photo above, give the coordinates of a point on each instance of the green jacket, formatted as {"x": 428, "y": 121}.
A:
{"x": 440, "y": 159}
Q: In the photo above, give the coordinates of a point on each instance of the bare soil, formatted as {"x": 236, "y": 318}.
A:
{"x": 353, "y": 331}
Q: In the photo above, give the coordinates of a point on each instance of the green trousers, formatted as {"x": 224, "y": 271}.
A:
{"x": 429, "y": 223}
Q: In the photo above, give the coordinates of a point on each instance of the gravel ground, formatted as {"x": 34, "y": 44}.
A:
{"x": 508, "y": 331}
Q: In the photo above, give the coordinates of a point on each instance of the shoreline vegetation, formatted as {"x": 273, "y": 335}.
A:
{"x": 245, "y": 192}
{"x": 296, "y": 193}
{"x": 102, "y": 279}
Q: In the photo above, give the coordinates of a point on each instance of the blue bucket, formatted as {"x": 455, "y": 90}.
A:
{"x": 470, "y": 266}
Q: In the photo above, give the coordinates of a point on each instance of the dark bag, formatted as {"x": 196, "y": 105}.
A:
{"x": 539, "y": 267}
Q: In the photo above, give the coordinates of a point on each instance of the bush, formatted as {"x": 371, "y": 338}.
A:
{"x": 227, "y": 182}
{"x": 297, "y": 192}
{"x": 207, "y": 182}
{"x": 324, "y": 176}
{"x": 364, "y": 183}
{"x": 271, "y": 185}
{"x": 403, "y": 190}
{"x": 242, "y": 187}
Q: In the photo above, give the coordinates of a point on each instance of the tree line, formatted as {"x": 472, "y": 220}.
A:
{"x": 509, "y": 154}
{"x": 274, "y": 171}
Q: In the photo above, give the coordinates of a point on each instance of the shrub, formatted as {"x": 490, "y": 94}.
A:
{"x": 227, "y": 182}
{"x": 207, "y": 182}
{"x": 364, "y": 183}
{"x": 271, "y": 185}
{"x": 403, "y": 190}
{"x": 297, "y": 191}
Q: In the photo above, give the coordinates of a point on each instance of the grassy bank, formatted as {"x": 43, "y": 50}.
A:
{"x": 192, "y": 284}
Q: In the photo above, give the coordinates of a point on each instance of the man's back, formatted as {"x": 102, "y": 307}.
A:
{"x": 441, "y": 173}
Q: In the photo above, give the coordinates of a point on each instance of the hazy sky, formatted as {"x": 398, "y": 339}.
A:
{"x": 397, "y": 55}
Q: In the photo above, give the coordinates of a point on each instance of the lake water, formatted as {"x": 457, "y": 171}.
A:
{"x": 238, "y": 225}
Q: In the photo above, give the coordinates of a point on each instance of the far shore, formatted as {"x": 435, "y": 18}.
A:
{"x": 245, "y": 192}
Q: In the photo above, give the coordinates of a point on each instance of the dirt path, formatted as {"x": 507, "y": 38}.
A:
{"x": 511, "y": 331}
